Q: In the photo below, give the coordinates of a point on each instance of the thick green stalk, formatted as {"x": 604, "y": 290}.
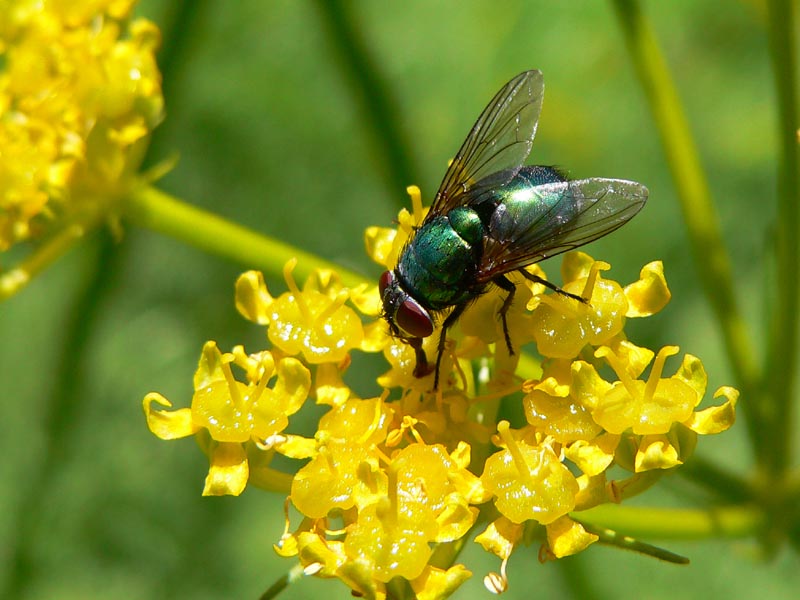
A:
{"x": 780, "y": 377}
{"x": 153, "y": 209}
{"x": 372, "y": 93}
{"x": 61, "y": 413}
{"x": 699, "y": 214}
{"x": 675, "y": 523}
{"x": 717, "y": 481}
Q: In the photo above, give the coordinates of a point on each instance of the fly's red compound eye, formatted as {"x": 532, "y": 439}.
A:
{"x": 385, "y": 281}
{"x": 413, "y": 319}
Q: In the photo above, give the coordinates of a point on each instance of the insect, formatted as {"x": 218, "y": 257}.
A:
{"x": 492, "y": 216}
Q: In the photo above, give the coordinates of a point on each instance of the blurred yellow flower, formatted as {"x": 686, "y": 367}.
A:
{"x": 80, "y": 92}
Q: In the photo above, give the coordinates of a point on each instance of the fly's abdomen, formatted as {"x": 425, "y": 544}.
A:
{"x": 523, "y": 202}
{"x": 438, "y": 267}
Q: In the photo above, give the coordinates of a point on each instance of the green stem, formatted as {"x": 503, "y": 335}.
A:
{"x": 717, "y": 481}
{"x": 445, "y": 555}
{"x": 624, "y": 542}
{"x": 153, "y": 209}
{"x": 295, "y": 573}
{"x": 675, "y": 524}
{"x": 529, "y": 367}
{"x": 347, "y": 38}
{"x": 62, "y": 410}
{"x": 698, "y": 210}
{"x": 74, "y": 230}
{"x": 780, "y": 374}
{"x": 271, "y": 480}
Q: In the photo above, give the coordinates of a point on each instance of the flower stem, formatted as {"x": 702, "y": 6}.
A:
{"x": 13, "y": 280}
{"x": 295, "y": 573}
{"x": 153, "y": 209}
{"x": 676, "y": 524}
{"x": 377, "y": 104}
{"x": 716, "y": 480}
{"x": 780, "y": 376}
{"x": 529, "y": 367}
{"x": 271, "y": 480}
{"x": 624, "y": 542}
{"x": 698, "y": 210}
{"x": 62, "y": 411}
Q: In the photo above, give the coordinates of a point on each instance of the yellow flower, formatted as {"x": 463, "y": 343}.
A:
{"x": 338, "y": 476}
{"x": 313, "y": 322}
{"x": 345, "y": 470}
{"x": 234, "y": 415}
{"x": 563, "y": 325}
{"x": 391, "y": 540}
{"x": 383, "y": 244}
{"x": 427, "y": 500}
{"x": 394, "y": 507}
{"x": 80, "y": 93}
{"x": 390, "y": 486}
{"x": 653, "y": 406}
{"x": 528, "y": 479}
{"x": 551, "y": 409}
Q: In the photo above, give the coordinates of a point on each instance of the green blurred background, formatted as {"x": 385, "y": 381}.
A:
{"x": 273, "y": 133}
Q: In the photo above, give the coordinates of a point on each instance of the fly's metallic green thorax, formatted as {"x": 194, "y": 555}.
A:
{"x": 492, "y": 216}
{"x": 439, "y": 265}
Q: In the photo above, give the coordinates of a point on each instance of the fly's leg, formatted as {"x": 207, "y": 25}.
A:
{"x": 552, "y": 286}
{"x": 448, "y": 322}
{"x": 506, "y": 284}
{"x": 421, "y": 368}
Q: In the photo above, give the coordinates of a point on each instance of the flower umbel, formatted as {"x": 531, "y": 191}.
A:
{"x": 80, "y": 93}
{"x": 391, "y": 484}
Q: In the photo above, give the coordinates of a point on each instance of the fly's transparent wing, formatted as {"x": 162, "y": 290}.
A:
{"x": 500, "y": 140}
{"x": 560, "y": 217}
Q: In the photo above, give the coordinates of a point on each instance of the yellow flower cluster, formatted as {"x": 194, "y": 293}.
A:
{"x": 79, "y": 93}
{"x": 392, "y": 486}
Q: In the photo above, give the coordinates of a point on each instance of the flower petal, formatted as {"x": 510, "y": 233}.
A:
{"x": 209, "y": 367}
{"x": 501, "y": 537}
{"x": 252, "y": 297}
{"x": 567, "y": 537}
{"x": 329, "y": 386}
{"x": 367, "y": 299}
{"x": 228, "y": 472}
{"x": 380, "y": 245}
{"x": 292, "y": 386}
{"x": 693, "y": 373}
{"x": 650, "y": 294}
{"x": 656, "y": 452}
{"x": 716, "y": 419}
{"x": 593, "y": 457}
{"x": 436, "y": 584}
{"x": 529, "y": 481}
{"x": 168, "y": 425}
